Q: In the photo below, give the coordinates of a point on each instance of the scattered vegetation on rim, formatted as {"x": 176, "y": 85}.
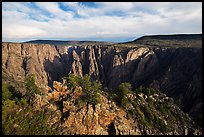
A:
{"x": 90, "y": 89}
{"x": 149, "y": 113}
{"x": 18, "y": 117}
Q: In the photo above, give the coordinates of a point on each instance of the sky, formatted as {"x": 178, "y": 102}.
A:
{"x": 99, "y": 21}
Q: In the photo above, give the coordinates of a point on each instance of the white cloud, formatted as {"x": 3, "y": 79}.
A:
{"x": 22, "y": 21}
{"x": 51, "y": 7}
{"x": 83, "y": 10}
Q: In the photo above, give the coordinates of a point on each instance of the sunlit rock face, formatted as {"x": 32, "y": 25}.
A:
{"x": 106, "y": 117}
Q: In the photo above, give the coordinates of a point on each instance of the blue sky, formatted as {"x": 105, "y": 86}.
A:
{"x": 102, "y": 21}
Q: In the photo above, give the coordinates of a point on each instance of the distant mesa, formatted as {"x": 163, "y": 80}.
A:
{"x": 52, "y": 42}
{"x": 172, "y": 37}
{"x": 175, "y": 40}
{"x": 71, "y": 42}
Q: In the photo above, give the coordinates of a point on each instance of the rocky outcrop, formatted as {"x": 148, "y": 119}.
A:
{"x": 70, "y": 117}
{"x": 100, "y": 119}
{"x": 174, "y": 71}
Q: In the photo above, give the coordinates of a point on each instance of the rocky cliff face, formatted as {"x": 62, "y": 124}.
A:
{"x": 174, "y": 71}
{"x": 69, "y": 117}
{"x": 88, "y": 119}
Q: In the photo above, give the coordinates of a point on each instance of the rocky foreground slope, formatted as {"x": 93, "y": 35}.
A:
{"x": 69, "y": 117}
{"x": 175, "y": 71}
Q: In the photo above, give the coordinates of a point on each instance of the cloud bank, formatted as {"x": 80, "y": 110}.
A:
{"x": 103, "y": 21}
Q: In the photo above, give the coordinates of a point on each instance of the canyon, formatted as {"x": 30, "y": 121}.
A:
{"x": 173, "y": 69}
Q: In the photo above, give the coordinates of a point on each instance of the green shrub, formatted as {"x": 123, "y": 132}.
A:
{"x": 23, "y": 101}
{"x": 86, "y": 84}
{"x": 31, "y": 87}
{"x": 148, "y": 115}
{"x": 164, "y": 109}
{"x": 124, "y": 102}
{"x": 94, "y": 98}
{"x": 150, "y": 101}
{"x": 72, "y": 81}
{"x": 97, "y": 86}
{"x": 124, "y": 89}
{"x": 8, "y": 104}
{"x": 131, "y": 111}
{"x": 146, "y": 91}
{"x": 6, "y": 94}
{"x": 161, "y": 126}
{"x": 90, "y": 90}
{"x": 113, "y": 97}
{"x": 143, "y": 122}
{"x": 27, "y": 125}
